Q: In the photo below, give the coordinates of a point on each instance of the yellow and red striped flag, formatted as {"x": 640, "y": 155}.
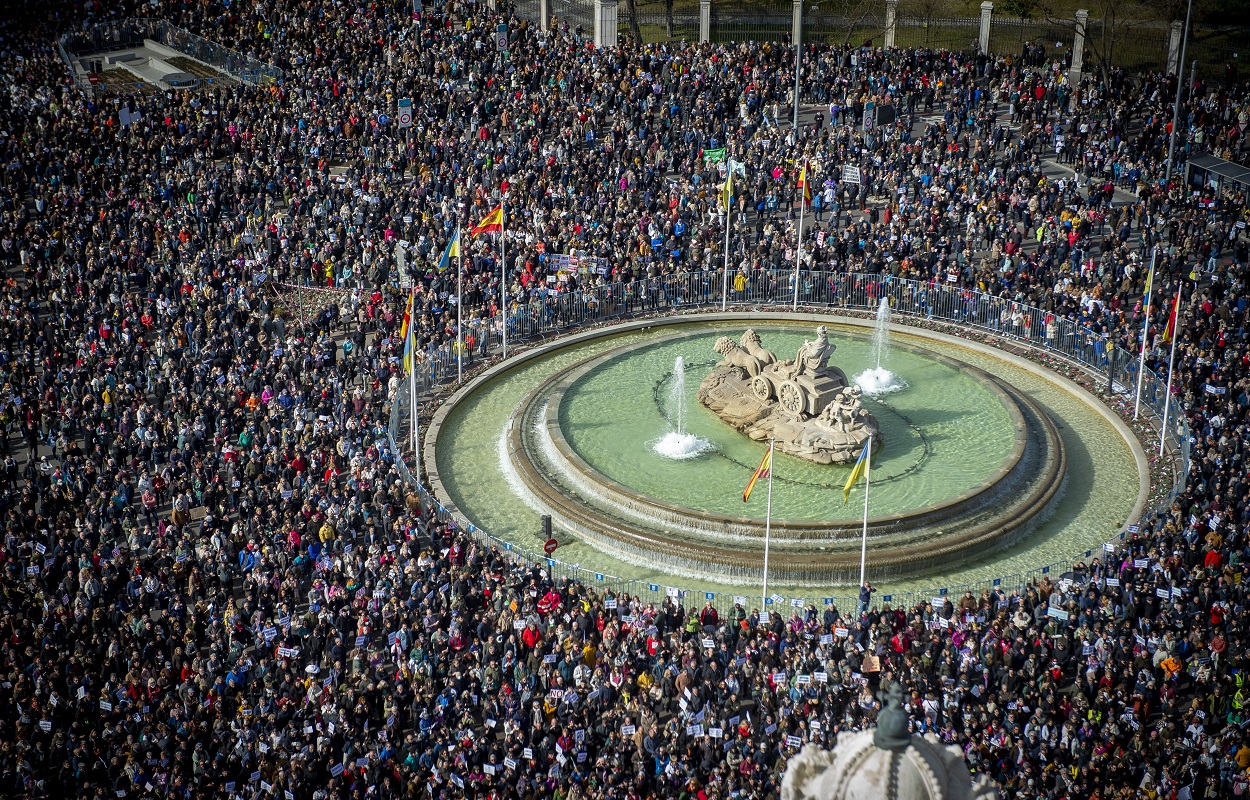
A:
{"x": 760, "y": 472}
{"x": 492, "y": 223}
{"x": 805, "y": 185}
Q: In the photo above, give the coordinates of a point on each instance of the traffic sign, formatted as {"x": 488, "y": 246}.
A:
{"x": 383, "y": 119}
{"x": 404, "y": 114}
{"x": 550, "y": 546}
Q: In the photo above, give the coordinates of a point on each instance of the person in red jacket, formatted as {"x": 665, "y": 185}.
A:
{"x": 530, "y": 636}
{"x": 709, "y": 618}
{"x": 550, "y": 602}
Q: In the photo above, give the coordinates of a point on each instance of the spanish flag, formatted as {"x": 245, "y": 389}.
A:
{"x": 492, "y": 223}
{"x": 760, "y": 472}
{"x": 805, "y": 185}
{"x": 452, "y": 251}
{"x": 860, "y": 469}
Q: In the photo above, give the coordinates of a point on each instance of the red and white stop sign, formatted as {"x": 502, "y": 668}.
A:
{"x": 551, "y": 546}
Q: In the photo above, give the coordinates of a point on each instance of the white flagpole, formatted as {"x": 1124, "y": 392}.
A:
{"x": 503, "y": 279}
{"x": 724, "y": 291}
{"x": 1167, "y": 395}
{"x": 768, "y": 521}
{"x": 798, "y": 254}
{"x": 863, "y": 542}
{"x": 1145, "y": 331}
{"x": 459, "y": 312}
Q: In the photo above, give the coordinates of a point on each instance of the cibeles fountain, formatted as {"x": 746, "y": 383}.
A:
{"x": 638, "y": 440}
{"x": 804, "y": 406}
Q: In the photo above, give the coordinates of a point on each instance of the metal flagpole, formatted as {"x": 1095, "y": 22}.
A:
{"x": 1145, "y": 331}
{"x": 863, "y": 542}
{"x": 768, "y": 520}
{"x": 724, "y": 290}
{"x": 503, "y": 280}
{"x": 1167, "y": 395}
{"x": 459, "y": 310}
{"x": 798, "y": 254}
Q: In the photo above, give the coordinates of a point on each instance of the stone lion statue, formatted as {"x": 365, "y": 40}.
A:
{"x": 750, "y": 342}
{"x": 735, "y": 356}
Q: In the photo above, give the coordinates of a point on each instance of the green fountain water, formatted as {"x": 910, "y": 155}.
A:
{"x": 940, "y": 440}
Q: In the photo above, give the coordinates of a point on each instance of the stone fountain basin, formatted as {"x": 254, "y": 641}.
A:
{"x": 650, "y": 531}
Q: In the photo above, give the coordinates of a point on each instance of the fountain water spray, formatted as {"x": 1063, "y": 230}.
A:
{"x": 677, "y": 444}
{"x": 878, "y": 380}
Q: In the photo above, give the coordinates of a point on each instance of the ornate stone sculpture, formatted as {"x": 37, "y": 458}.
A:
{"x": 857, "y": 770}
{"x": 892, "y": 729}
{"x": 733, "y": 354}
{"x": 887, "y": 763}
{"x": 806, "y": 404}
{"x": 750, "y": 342}
{"x": 813, "y": 356}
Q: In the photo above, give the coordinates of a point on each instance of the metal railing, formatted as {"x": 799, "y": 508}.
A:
{"x": 1144, "y": 46}
{"x": 852, "y": 293}
{"x": 121, "y": 35}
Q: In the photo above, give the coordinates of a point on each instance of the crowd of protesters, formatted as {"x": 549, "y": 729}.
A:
{"x": 216, "y": 582}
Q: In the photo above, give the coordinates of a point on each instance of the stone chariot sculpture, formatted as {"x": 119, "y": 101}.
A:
{"x": 810, "y": 407}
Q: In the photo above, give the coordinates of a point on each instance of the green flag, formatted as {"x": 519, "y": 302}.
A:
{"x": 714, "y": 156}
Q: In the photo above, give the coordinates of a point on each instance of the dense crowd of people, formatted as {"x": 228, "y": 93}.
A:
{"x": 216, "y": 582}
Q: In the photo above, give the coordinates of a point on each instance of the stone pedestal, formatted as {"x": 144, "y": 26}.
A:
{"x": 891, "y": 21}
{"x": 1078, "y": 48}
{"x": 987, "y": 13}
{"x": 605, "y": 23}
{"x": 705, "y": 20}
{"x": 1174, "y": 46}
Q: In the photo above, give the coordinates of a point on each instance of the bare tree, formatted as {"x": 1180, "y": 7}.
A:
{"x": 631, "y": 14}
{"x": 926, "y": 11}
{"x": 1111, "y": 24}
{"x": 1020, "y": 9}
{"x": 854, "y": 14}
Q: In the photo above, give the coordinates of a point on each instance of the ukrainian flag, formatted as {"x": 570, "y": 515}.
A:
{"x": 859, "y": 471}
{"x": 1150, "y": 285}
{"x": 452, "y": 251}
